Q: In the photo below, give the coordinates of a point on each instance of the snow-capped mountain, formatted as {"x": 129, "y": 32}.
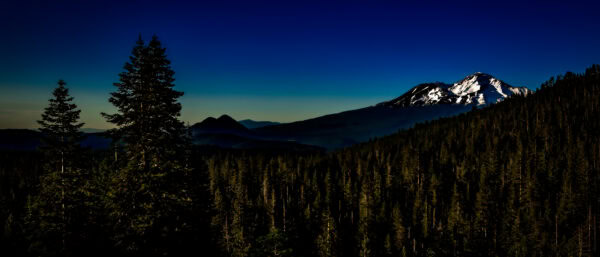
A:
{"x": 422, "y": 103}
{"x": 477, "y": 89}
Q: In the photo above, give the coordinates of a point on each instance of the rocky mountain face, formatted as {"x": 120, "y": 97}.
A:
{"x": 476, "y": 89}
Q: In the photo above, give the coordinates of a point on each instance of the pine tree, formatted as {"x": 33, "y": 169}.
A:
{"x": 60, "y": 126}
{"x": 454, "y": 219}
{"x": 149, "y": 196}
{"x": 398, "y": 228}
{"x": 364, "y": 224}
{"x": 148, "y": 109}
{"x": 60, "y": 187}
{"x": 326, "y": 240}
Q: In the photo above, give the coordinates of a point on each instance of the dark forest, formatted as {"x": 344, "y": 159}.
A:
{"x": 517, "y": 178}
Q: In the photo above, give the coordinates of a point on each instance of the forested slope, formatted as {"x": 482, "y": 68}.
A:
{"x": 518, "y": 178}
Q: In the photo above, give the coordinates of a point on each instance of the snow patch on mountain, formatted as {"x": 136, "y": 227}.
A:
{"x": 477, "y": 89}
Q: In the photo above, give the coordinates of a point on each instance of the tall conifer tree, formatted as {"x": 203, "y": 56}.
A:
{"x": 148, "y": 197}
{"x": 60, "y": 126}
{"x": 57, "y": 201}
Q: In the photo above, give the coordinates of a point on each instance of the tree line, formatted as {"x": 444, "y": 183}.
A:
{"x": 518, "y": 178}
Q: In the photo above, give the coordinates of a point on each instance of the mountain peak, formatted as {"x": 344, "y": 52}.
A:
{"x": 226, "y": 118}
{"x": 480, "y": 74}
{"x": 223, "y": 123}
{"x": 478, "y": 89}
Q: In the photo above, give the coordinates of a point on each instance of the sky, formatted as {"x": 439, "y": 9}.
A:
{"x": 283, "y": 60}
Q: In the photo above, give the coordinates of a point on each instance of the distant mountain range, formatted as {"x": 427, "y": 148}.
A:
{"x": 27, "y": 140}
{"x": 422, "y": 103}
{"x": 251, "y": 124}
{"x": 221, "y": 125}
{"x": 228, "y": 133}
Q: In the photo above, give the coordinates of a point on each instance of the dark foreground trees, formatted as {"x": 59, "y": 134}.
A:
{"x": 149, "y": 197}
{"x": 57, "y": 214}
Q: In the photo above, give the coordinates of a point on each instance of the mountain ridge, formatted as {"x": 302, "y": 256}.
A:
{"x": 252, "y": 124}
{"x": 424, "y": 102}
{"x": 223, "y": 124}
{"x": 476, "y": 89}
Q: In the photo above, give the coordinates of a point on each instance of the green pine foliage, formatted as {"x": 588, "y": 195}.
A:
{"x": 149, "y": 195}
{"x": 60, "y": 126}
{"x": 58, "y": 214}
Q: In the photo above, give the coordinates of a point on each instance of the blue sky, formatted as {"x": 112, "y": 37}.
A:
{"x": 283, "y": 60}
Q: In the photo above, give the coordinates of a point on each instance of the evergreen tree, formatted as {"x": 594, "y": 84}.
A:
{"x": 56, "y": 206}
{"x": 60, "y": 127}
{"x": 398, "y": 228}
{"x": 149, "y": 196}
{"x": 326, "y": 240}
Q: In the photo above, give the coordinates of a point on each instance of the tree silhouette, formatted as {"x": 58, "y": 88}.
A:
{"x": 148, "y": 196}
{"x": 58, "y": 200}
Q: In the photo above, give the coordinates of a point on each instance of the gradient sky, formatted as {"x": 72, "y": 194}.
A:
{"x": 283, "y": 60}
